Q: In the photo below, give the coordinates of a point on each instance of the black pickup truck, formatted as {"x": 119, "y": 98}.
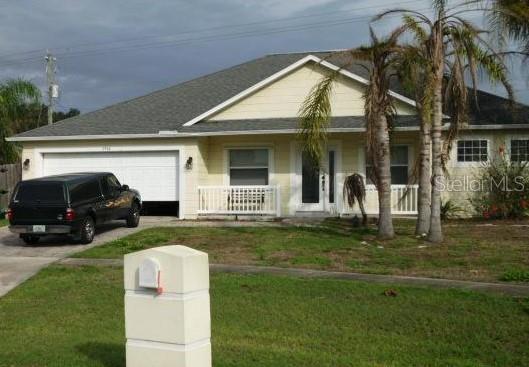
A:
{"x": 71, "y": 204}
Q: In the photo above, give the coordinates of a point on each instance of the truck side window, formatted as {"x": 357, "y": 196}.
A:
{"x": 85, "y": 190}
{"x": 110, "y": 185}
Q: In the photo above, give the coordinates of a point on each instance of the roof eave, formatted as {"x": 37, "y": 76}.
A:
{"x": 176, "y": 134}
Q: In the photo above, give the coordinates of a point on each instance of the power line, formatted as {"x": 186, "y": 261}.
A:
{"x": 229, "y": 36}
{"x": 73, "y": 47}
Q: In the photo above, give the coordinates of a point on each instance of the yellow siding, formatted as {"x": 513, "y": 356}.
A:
{"x": 464, "y": 172}
{"x": 283, "y": 98}
{"x": 210, "y": 166}
{"x": 280, "y": 167}
{"x": 352, "y": 146}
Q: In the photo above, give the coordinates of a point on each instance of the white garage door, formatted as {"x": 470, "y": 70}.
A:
{"x": 153, "y": 174}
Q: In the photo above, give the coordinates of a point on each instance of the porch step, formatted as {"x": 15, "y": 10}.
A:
{"x": 313, "y": 214}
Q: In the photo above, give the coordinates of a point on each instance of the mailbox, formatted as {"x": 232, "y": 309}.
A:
{"x": 149, "y": 274}
{"x": 167, "y": 308}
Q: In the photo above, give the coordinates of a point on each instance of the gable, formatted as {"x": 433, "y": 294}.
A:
{"x": 284, "y": 97}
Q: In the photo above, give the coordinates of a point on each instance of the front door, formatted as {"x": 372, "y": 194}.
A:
{"x": 317, "y": 183}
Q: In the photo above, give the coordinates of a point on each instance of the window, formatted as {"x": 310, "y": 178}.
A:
{"x": 472, "y": 151}
{"x": 399, "y": 166}
{"x": 520, "y": 150}
{"x": 248, "y": 166}
{"x": 46, "y": 192}
{"x": 310, "y": 181}
{"x": 110, "y": 186}
{"x": 84, "y": 190}
{"x": 331, "y": 176}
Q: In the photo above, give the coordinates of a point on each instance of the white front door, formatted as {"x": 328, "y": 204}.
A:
{"x": 317, "y": 186}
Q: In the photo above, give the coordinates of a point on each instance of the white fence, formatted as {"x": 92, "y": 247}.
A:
{"x": 239, "y": 200}
{"x": 403, "y": 200}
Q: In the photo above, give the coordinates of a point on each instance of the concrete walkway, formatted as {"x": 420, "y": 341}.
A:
{"x": 502, "y": 288}
{"x": 19, "y": 261}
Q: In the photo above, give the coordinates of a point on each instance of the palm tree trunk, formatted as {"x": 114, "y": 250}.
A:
{"x": 435, "y": 234}
{"x": 383, "y": 166}
{"x": 363, "y": 211}
{"x": 425, "y": 187}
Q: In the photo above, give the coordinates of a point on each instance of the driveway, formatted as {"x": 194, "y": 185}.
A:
{"x": 19, "y": 261}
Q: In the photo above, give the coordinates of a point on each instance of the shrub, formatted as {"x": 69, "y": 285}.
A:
{"x": 516, "y": 276}
{"x": 450, "y": 210}
{"x": 504, "y": 189}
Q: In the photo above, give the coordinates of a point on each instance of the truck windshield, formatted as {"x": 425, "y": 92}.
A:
{"x": 48, "y": 192}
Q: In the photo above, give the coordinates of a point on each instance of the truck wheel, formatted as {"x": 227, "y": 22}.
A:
{"x": 133, "y": 219}
{"x": 88, "y": 230}
{"x": 29, "y": 239}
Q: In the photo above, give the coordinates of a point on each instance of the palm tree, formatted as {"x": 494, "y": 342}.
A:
{"x": 315, "y": 114}
{"x": 354, "y": 191}
{"x": 412, "y": 77}
{"x": 451, "y": 48}
{"x": 511, "y": 18}
{"x": 15, "y": 95}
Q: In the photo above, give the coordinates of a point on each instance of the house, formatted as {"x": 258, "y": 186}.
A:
{"x": 225, "y": 143}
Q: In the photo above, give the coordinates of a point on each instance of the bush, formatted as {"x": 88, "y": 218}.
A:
{"x": 450, "y": 210}
{"x": 516, "y": 276}
{"x": 504, "y": 190}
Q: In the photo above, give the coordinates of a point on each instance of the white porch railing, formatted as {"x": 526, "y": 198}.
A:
{"x": 403, "y": 200}
{"x": 239, "y": 200}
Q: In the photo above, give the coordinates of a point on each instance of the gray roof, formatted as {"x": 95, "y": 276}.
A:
{"x": 170, "y": 108}
{"x": 346, "y": 122}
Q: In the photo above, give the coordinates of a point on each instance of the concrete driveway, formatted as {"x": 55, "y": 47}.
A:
{"x": 19, "y": 261}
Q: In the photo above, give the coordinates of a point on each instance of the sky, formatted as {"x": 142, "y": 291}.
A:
{"x": 110, "y": 51}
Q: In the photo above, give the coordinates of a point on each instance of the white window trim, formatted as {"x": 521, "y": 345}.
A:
{"x": 226, "y": 154}
{"x": 453, "y": 154}
{"x": 510, "y": 138}
{"x": 410, "y": 163}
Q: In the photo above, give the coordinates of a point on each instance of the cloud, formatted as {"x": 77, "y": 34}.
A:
{"x": 91, "y": 81}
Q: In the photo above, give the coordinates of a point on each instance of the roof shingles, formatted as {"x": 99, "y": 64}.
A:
{"x": 168, "y": 109}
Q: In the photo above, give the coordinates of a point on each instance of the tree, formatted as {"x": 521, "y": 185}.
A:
{"x": 452, "y": 48}
{"x": 413, "y": 79}
{"x": 354, "y": 191}
{"x": 15, "y": 94}
{"x": 315, "y": 114}
{"x": 511, "y": 18}
{"x": 33, "y": 115}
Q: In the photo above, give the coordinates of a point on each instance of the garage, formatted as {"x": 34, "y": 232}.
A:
{"x": 154, "y": 174}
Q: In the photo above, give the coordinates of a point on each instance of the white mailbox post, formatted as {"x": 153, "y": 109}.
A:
{"x": 167, "y": 311}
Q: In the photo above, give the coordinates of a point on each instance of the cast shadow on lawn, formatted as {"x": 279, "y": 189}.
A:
{"x": 108, "y": 354}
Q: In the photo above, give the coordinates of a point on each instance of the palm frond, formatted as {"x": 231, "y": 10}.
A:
{"x": 15, "y": 96}
{"x": 315, "y": 114}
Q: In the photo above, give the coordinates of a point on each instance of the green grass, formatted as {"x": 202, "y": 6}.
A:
{"x": 3, "y": 222}
{"x": 471, "y": 252}
{"x": 74, "y": 317}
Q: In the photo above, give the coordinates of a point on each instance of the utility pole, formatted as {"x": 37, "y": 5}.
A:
{"x": 53, "y": 88}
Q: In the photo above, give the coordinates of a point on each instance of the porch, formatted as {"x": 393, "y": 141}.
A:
{"x": 266, "y": 200}
{"x": 270, "y": 176}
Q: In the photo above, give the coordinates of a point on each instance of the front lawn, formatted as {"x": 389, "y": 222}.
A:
{"x": 74, "y": 317}
{"x": 3, "y": 222}
{"x": 472, "y": 251}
